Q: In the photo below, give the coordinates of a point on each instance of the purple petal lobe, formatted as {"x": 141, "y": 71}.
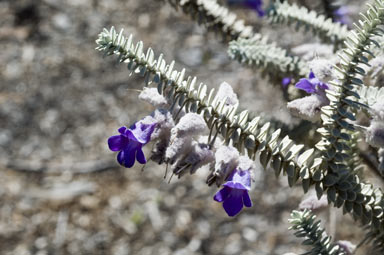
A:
{"x": 246, "y": 199}
{"x": 286, "y": 81}
{"x": 122, "y": 130}
{"x": 140, "y": 156}
{"x": 120, "y": 158}
{"x": 233, "y": 205}
{"x": 256, "y": 5}
{"x": 311, "y": 75}
{"x": 323, "y": 86}
{"x": 306, "y": 85}
{"x": 222, "y": 194}
{"x": 116, "y": 142}
{"x": 129, "y": 158}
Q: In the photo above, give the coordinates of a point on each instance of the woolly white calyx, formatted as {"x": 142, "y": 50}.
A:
{"x": 182, "y": 135}
{"x": 375, "y": 134}
{"x": 152, "y": 96}
{"x": 322, "y": 68}
{"x": 375, "y": 71}
{"x": 378, "y": 111}
{"x": 161, "y": 133}
{"x": 380, "y": 153}
{"x": 308, "y": 108}
{"x": 348, "y": 247}
{"x": 189, "y": 125}
{"x": 246, "y": 163}
{"x": 226, "y": 93}
{"x": 178, "y": 147}
{"x": 226, "y": 160}
{"x": 312, "y": 203}
{"x": 164, "y": 124}
{"x": 199, "y": 155}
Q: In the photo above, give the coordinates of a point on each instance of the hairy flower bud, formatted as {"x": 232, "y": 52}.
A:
{"x": 152, "y": 96}
{"x": 199, "y": 155}
{"x": 312, "y": 203}
{"x": 322, "y": 68}
{"x": 161, "y": 134}
{"x": 348, "y": 247}
{"x": 308, "y": 108}
{"x": 227, "y": 158}
{"x": 189, "y": 125}
{"x": 381, "y": 160}
{"x": 181, "y": 142}
{"x": 377, "y": 111}
{"x": 375, "y": 134}
{"x": 226, "y": 93}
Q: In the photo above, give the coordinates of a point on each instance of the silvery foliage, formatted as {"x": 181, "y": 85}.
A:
{"x": 330, "y": 166}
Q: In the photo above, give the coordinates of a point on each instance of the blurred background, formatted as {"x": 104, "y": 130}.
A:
{"x": 61, "y": 190}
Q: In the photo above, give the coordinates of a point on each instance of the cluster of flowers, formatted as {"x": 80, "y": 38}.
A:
{"x": 309, "y": 107}
{"x": 184, "y": 147}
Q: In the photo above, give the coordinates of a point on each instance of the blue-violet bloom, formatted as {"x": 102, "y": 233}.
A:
{"x": 234, "y": 194}
{"x": 312, "y": 85}
{"x": 286, "y": 81}
{"x": 256, "y": 5}
{"x": 341, "y": 15}
{"x": 130, "y": 142}
{"x": 253, "y": 4}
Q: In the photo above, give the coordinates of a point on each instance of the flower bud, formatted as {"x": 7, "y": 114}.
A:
{"x": 190, "y": 124}
{"x": 322, "y": 68}
{"x": 375, "y": 134}
{"x": 312, "y": 203}
{"x": 226, "y": 93}
{"x": 348, "y": 247}
{"x": 227, "y": 159}
{"x": 152, "y": 96}
{"x": 308, "y": 108}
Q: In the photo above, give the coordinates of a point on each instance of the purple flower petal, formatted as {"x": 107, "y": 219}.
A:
{"x": 256, "y": 5}
{"x": 127, "y": 156}
{"x": 233, "y": 204}
{"x": 306, "y": 85}
{"x": 120, "y": 158}
{"x": 116, "y": 142}
{"x": 222, "y": 194}
{"x": 246, "y": 199}
{"x": 140, "y": 156}
{"x": 122, "y": 130}
{"x": 311, "y": 75}
{"x": 323, "y": 86}
{"x": 286, "y": 81}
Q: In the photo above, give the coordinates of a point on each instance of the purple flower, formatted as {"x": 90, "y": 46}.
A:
{"x": 341, "y": 15}
{"x": 130, "y": 142}
{"x": 312, "y": 85}
{"x": 253, "y": 4}
{"x": 256, "y": 5}
{"x": 286, "y": 81}
{"x": 234, "y": 194}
